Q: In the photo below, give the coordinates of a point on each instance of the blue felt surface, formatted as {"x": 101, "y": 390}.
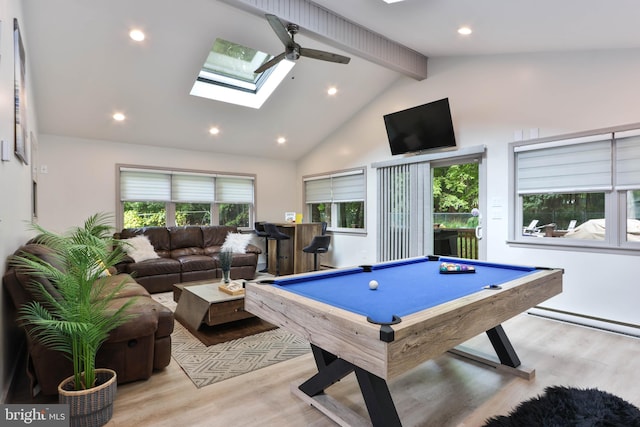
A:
{"x": 405, "y": 287}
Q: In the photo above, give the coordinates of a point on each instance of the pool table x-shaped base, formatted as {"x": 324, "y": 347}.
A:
{"x": 375, "y": 391}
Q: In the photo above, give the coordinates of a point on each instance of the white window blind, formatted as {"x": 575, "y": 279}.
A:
{"x": 340, "y": 187}
{"x": 627, "y": 162}
{"x": 192, "y": 188}
{"x": 145, "y": 186}
{"x": 348, "y": 188}
{"x": 234, "y": 190}
{"x": 318, "y": 190}
{"x": 564, "y": 168}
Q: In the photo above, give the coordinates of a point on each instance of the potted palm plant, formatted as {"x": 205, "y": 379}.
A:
{"x": 77, "y": 317}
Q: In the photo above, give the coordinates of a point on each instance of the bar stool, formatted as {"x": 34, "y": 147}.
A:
{"x": 318, "y": 245}
{"x": 277, "y": 235}
{"x": 260, "y": 232}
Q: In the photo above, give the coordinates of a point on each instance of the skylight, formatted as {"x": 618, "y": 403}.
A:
{"x": 227, "y": 75}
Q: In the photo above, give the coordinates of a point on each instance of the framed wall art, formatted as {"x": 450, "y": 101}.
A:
{"x": 20, "y": 95}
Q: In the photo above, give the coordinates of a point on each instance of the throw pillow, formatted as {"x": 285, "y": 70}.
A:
{"x": 139, "y": 248}
{"x": 236, "y": 242}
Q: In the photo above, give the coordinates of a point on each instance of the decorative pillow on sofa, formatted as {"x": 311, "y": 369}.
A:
{"x": 236, "y": 242}
{"x": 139, "y": 248}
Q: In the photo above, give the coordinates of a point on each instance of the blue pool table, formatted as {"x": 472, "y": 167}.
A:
{"x": 416, "y": 313}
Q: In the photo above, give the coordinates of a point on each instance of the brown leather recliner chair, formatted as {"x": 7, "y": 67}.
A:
{"x": 134, "y": 350}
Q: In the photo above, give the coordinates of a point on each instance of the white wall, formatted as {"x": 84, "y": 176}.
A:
{"x": 81, "y": 177}
{"x": 15, "y": 176}
{"x": 491, "y": 97}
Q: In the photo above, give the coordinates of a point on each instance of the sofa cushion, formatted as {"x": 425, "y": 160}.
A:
{"x": 215, "y": 235}
{"x": 144, "y": 321}
{"x": 212, "y": 250}
{"x": 139, "y": 248}
{"x": 239, "y": 260}
{"x": 185, "y": 237}
{"x": 197, "y": 263}
{"x": 27, "y": 280}
{"x": 128, "y": 286}
{"x": 152, "y": 267}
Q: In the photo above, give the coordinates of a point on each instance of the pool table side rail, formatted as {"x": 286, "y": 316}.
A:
{"x": 425, "y": 335}
{"x": 419, "y": 337}
{"x": 347, "y": 335}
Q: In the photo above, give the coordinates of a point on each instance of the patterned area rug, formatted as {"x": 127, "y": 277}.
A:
{"x": 208, "y": 365}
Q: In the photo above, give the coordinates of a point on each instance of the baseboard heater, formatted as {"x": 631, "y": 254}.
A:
{"x": 587, "y": 321}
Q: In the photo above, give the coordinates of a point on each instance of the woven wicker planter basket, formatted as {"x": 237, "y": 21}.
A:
{"x": 92, "y": 407}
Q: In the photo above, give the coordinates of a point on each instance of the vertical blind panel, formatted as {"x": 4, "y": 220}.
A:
{"x": 145, "y": 186}
{"x": 234, "y": 190}
{"x": 628, "y": 162}
{"x": 348, "y": 188}
{"x": 318, "y": 190}
{"x": 393, "y": 212}
{"x": 192, "y": 188}
{"x": 583, "y": 166}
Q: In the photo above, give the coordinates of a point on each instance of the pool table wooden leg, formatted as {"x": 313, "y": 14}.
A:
{"x": 501, "y": 344}
{"x": 382, "y": 410}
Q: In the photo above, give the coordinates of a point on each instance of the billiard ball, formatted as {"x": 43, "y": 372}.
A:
{"x": 373, "y": 285}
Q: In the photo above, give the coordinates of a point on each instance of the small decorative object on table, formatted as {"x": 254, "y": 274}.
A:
{"x": 225, "y": 264}
{"x": 455, "y": 268}
{"x": 232, "y": 288}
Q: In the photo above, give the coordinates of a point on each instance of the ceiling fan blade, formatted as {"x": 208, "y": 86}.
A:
{"x": 270, "y": 63}
{"x": 279, "y": 29}
{"x": 324, "y": 56}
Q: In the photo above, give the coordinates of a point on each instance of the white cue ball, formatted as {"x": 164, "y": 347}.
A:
{"x": 373, "y": 284}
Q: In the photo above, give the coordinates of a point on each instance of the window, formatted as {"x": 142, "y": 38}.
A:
{"x": 172, "y": 197}
{"x": 337, "y": 199}
{"x": 227, "y": 75}
{"x": 577, "y": 191}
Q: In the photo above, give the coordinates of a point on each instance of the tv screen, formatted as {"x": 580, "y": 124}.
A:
{"x": 420, "y": 128}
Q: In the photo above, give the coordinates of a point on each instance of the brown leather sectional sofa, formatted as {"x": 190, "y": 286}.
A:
{"x": 134, "y": 350}
{"x": 186, "y": 254}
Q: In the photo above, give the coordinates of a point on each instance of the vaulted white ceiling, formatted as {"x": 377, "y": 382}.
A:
{"x": 83, "y": 67}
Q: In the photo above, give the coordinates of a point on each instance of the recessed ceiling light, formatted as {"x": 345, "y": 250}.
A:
{"x": 465, "y": 31}
{"x": 136, "y": 35}
{"x": 214, "y": 130}
{"x": 119, "y": 117}
{"x": 392, "y": 1}
{"x": 332, "y": 90}
{"x": 281, "y": 140}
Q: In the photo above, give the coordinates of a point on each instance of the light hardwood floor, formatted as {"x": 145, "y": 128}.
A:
{"x": 446, "y": 391}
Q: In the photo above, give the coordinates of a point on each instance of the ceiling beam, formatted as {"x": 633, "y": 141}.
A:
{"x": 341, "y": 33}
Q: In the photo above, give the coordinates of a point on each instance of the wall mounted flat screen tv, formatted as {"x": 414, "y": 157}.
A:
{"x": 425, "y": 127}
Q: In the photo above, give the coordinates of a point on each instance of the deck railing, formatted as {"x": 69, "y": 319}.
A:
{"x": 458, "y": 242}
{"x": 467, "y": 243}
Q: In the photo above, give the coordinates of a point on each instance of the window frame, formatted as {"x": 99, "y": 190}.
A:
{"x": 170, "y": 204}
{"x": 333, "y": 225}
{"x": 615, "y": 197}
